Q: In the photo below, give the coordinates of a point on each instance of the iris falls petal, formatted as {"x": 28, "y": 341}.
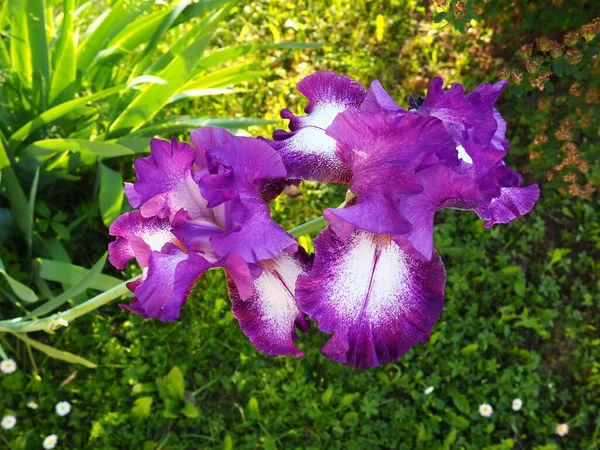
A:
{"x": 376, "y": 299}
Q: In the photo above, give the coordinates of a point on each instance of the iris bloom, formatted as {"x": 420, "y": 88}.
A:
{"x": 375, "y": 283}
{"x": 202, "y": 207}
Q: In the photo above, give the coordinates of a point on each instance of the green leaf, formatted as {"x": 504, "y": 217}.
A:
{"x": 439, "y": 17}
{"x": 40, "y": 65}
{"x": 62, "y": 87}
{"x": 12, "y": 190}
{"x": 558, "y": 65}
{"x": 195, "y": 93}
{"x": 159, "y": 33}
{"x": 55, "y": 353}
{"x": 326, "y": 397}
{"x": 122, "y": 13}
{"x": 45, "y": 149}
{"x": 142, "y": 388}
{"x": 347, "y": 400}
{"x": 77, "y": 288}
{"x": 183, "y": 124}
{"x": 189, "y": 410}
{"x": 456, "y": 421}
{"x": 71, "y": 274}
{"x": 20, "y": 290}
{"x": 350, "y": 419}
{"x": 470, "y": 349}
{"x": 558, "y": 254}
{"x": 227, "y": 76}
{"x": 510, "y": 271}
{"x": 450, "y": 439}
{"x": 20, "y": 51}
{"x": 460, "y": 401}
{"x": 56, "y": 113}
{"x": 153, "y": 97}
{"x": 141, "y": 407}
{"x": 60, "y": 230}
{"x": 31, "y": 206}
{"x": 135, "y": 34}
{"x": 3, "y": 354}
{"x": 227, "y": 443}
{"x": 174, "y": 384}
{"x": 110, "y": 199}
{"x": 253, "y": 408}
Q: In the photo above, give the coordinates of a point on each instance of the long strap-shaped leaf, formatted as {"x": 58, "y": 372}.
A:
{"x": 20, "y": 290}
{"x": 36, "y": 24}
{"x": 42, "y": 150}
{"x": 57, "y": 112}
{"x": 122, "y": 13}
{"x": 55, "y": 353}
{"x": 62, "y": 87}
{"x": 182, "y": 124}
{"x": 20, "y": 52}
{"x": 151, "y": 100}
{"x": 14, "y": 193}
{"x": 71, "y": 274}
{"x": 81, "y": 286}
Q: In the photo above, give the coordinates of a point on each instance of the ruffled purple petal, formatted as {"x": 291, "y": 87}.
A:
{"x": 307, "y": 152}
{"x": 376, "y": 299}
{"x": 170, "y": 278}
{"x": 165, "y": 183}
{"x": 137, "y": 236}
{"x": 470, "y": 117}
{"x": 377, "y": 98}
{"x": 512, "y": 204}
{"x": 268, "y": 317}
{"x": 252, "y": 235}
{"x": 441, "y": 185}
{"x": 235, "y": 165}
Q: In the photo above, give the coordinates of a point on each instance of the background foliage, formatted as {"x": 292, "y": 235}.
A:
{"x": 522, "y": 300}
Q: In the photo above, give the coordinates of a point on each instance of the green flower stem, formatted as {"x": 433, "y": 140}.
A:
{"x": 53, "y": 321}
{"x": 311, "y": 226}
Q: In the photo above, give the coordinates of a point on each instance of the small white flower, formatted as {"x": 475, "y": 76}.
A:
{"x": 428, "y": 391}
{"x": 550, "y": 385}
{"x": 562, "y": 429}
{"x": 8, "y": 422}
{"x": 8, "y": 366}
{"x": 486, "y": 410}
{"x": 50, "y": 441}
{"x": 32, "y": 405}
{"x": 63, "y": 408}
{"x": 517, "y": 404}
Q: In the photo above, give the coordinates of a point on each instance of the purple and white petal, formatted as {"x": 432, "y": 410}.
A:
{"x": 376, "y": 299}
{"x": 269, "y": 316}
{"x": 512, "y": 203}
{"x": 137, "y": 236}
{"x": 170, "y": 278}
{"x": 307, "y": 152}
{"x": 165, "y": 183}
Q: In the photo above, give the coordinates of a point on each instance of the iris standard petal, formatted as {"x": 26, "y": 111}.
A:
{"x": 137, "y": 236}
{"x": 167, "y": 284}
{"x": 165, "y": 183}
{"x": 376, "y": 299}
{"x": 307, "y": 152}
{"x": 268, "y": 317}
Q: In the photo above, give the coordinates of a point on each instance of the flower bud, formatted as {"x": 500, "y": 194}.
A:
{"x": 504, "y": 73}
{"x": 533, "y": 65}
{"x": 556, "y": 49}
{"x": 517, "y": 76}
{"x": 574, "y": 56}
{"x": 525, "y": 51}
{"x": 589, "y": 31}
{"x": 571, "y": 38}
{"x": 543, "y": 44}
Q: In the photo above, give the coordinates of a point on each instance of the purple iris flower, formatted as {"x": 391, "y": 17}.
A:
{"x": 199, "y": 208}
{"x": 375, "y": 282}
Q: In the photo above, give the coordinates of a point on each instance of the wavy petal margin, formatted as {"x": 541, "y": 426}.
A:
{"x": 376, "y": 299}
{"x": 269, "y": 316}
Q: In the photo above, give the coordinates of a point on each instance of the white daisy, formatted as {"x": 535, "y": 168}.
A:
{"x": 428, "y": 391}
{"x": 517, "y": 404}
{"x": 32, "y": 405}
{"x": 562, "y": 429}
{"x": 63, "y": 408}
{"x": 50, "y": 441}
{"x": 486, "y": 410}
{"x": 8, "y": 366}
{"x": 8, "y": 422}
